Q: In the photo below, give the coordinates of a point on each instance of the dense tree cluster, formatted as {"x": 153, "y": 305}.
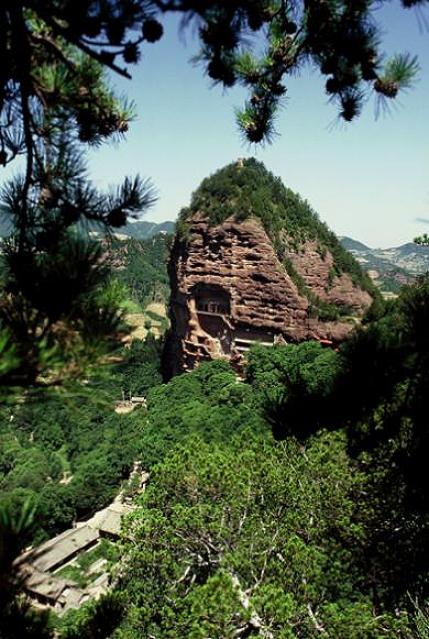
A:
{"x": 240, "y": 535}
{"x": 288, "y": 378}
{"x": 386, "y": 359}
{"x": 143, "y": 268}
{"x": 247, "y": 537}
{"x": 374, "y": 389}
{"x": 68, "y": 452}
{"x": 18, "y": 617}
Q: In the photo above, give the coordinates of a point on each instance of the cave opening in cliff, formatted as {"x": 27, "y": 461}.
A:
{"x": 212, "y": 299}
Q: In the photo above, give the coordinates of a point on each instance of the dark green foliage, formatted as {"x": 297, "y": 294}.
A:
{"x": 18, "y": 618}
{"x": 378, "y": 309}
{"x": 390, "y": 360}
{"x": 57, "y": 306}
{"x": 141, "y": 370}
{"x": 208, "y": 402}
{"x": 393, "y": 280}
{"x": 303, "y": 527}
{"x": 53, "y": 99}
{"x": 68, "y": 450}
{"x": 144, "y": 268}
{"x": 376, "y": 384}
{"x": 294, "y": 385}
{"x": 97, "y": 620}
{"x": 53, "y": 53}
{"x": 423, "y": 240}
{"x": 62, "y": 435}
{"x": 376, "y": 388}
{"x": 229, "y": 512}
{"x": 249, "y": 517}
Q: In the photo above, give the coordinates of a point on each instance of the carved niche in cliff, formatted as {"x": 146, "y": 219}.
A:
{"x": 213, "y": 308}
{"x": 213, "y": 300}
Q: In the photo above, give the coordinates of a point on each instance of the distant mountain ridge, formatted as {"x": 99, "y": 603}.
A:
{"x": 410, "y": 257}
{"x": 391, "y": 267}
{"x": 353, "y": 245}
{"x": 142, "y": 230}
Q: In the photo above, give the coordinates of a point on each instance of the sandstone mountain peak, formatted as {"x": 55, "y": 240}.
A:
{"x": 252, "y": 262}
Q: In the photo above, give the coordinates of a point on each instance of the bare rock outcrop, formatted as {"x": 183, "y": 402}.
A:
{"x": 229, "y": 290}
{"x": 316, "y": 268}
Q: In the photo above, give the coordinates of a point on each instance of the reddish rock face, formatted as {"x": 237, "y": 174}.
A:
{"x": 229, "y": 290}
{"x": 316, "y": 269}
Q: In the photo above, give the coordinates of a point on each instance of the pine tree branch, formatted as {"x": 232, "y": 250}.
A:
{"x": 21, "y": 48}
{"x": 56, "y": 49}
{"x": 65, "y": 33}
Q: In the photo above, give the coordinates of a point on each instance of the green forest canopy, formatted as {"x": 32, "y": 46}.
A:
{"x": 219, "y": 479}
{"x": 238, "y": 532}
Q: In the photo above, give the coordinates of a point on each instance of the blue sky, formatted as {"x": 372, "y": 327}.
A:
{"x": 368, "y": 180}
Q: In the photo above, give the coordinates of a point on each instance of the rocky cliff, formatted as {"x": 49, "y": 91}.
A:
{"x": 235, "y": 282}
